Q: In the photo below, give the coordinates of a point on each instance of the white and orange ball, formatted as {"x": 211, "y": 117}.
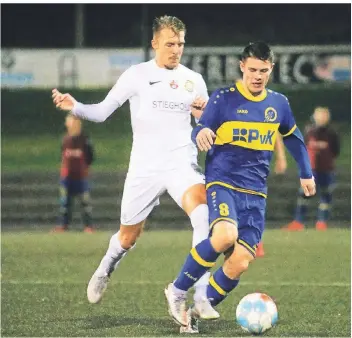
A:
{"x": 256, "y": 313}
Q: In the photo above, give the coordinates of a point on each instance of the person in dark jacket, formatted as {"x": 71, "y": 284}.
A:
{"x": 323, "y": 145}
{"x": 76, "y": 156}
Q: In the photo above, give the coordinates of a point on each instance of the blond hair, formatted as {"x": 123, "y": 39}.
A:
{"x": 167, "y": 21}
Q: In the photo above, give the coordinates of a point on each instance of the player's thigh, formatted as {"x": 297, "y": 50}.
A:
{"x": 193, "y": 197}
{"x": 222, "y": 206}
{"x": 251, "y": 220}
{"x": 222, "y": 217}
{"x": 186, "y": 187}
{"x": 140, "y": 196}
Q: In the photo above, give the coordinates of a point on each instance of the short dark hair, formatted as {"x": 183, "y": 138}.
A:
{"x": 259, "y": 50}
{"x": 167, "y": 21}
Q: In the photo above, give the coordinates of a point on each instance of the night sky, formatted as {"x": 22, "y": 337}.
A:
{"x": 117, "y": 25}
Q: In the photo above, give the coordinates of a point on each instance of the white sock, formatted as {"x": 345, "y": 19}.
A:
{"x": 179, "y": 292}
{"x": 112, "y": 258}
{"x": 200, "y": 223}
{"x": 201, "y": 287}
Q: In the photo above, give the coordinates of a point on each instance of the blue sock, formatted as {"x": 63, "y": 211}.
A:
{"x": 324, "y": 206}
{"x": 201, "y": 258}
{"x": 323, "y": 212}
{"x": 301, "y": 208}
{"x": 219, "y": 287}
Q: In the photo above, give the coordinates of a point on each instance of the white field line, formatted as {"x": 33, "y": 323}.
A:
{"x": 254, "y": 283}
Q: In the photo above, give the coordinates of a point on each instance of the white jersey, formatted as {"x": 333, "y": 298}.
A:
{"x": 160, "y": 109}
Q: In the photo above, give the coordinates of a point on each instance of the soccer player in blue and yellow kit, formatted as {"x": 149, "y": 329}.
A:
{"x": 238, "y": 128}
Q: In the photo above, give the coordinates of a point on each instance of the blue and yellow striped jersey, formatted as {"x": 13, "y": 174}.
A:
{"x": 246, "y": 128}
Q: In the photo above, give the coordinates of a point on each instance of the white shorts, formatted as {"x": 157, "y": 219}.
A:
{"x": 141, "y": 194}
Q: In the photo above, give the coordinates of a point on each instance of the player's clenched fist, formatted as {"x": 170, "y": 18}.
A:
{"x": 63, "y": 101}
{"x": 308, "y": 186}
{"x": 198, "y": 106}
{"x": 205, "y": 139}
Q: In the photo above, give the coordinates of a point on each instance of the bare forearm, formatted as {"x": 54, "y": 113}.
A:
{"x": 280, "y": 148}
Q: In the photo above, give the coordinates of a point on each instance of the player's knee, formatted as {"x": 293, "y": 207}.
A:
{"x": 234, "y": 267}
{"x": 86, "y": 197}
{"x": 224, "y": 235}
{"x": 230, "y": 234}
{"x": 243, "y": 265}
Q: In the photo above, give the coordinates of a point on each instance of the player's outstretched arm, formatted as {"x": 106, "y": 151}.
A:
{"x": 93, "y": 112}
{"x": 122, "y": 91}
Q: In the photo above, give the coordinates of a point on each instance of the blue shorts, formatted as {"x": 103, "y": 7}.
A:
{"x": 74, "y": 187}
{"x": 245, "y": 210}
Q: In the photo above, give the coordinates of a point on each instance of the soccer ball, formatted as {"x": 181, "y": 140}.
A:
{"x": 256, "y": 313}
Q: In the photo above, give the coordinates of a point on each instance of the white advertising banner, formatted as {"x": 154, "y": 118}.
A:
{"x": 71, "y": 68}
{"x": 94, "y": 68}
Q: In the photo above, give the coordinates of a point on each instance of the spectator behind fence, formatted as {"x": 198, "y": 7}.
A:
{"x": 323, "y": 146}
{"x": 76, "y": 157}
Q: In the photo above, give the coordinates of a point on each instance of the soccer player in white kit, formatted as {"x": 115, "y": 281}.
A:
{"x": 162, "y": 94}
